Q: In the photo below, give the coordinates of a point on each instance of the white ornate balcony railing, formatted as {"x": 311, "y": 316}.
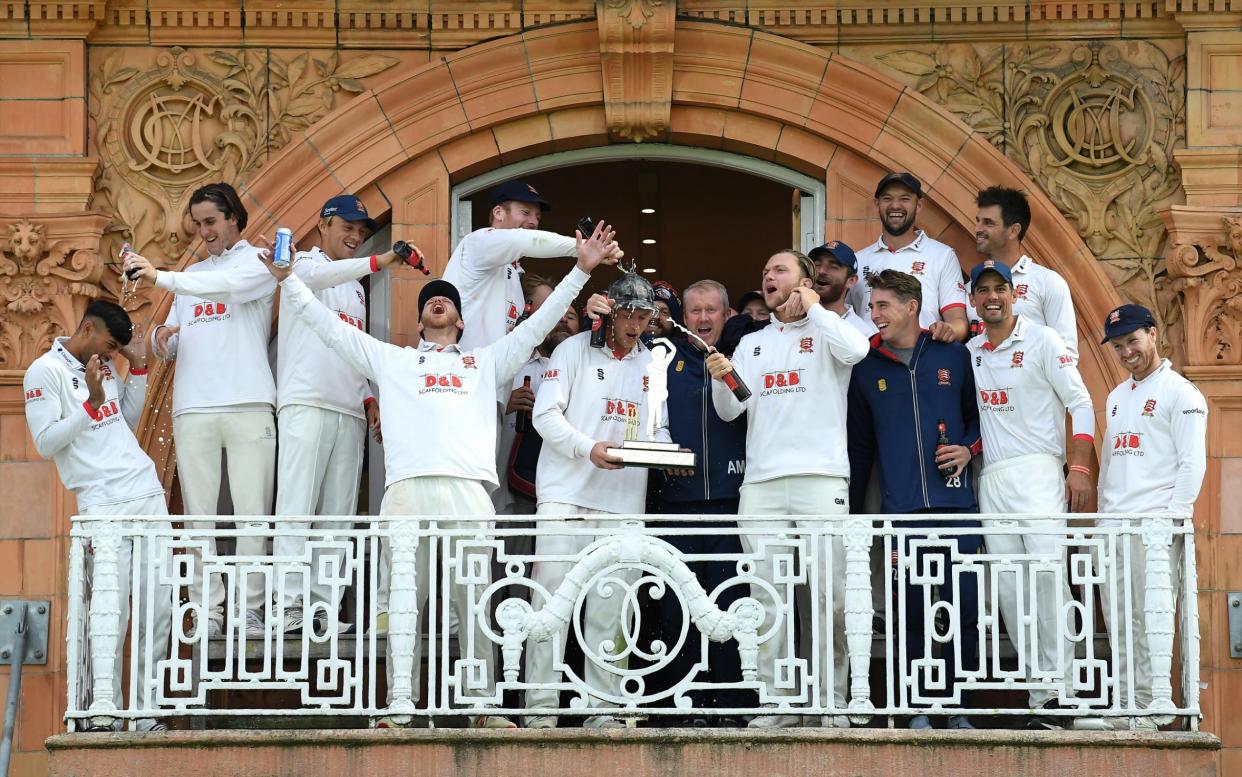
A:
{"x": 626, "y": 561}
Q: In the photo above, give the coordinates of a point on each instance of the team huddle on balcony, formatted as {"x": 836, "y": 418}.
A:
{"x": 884, "y": 368}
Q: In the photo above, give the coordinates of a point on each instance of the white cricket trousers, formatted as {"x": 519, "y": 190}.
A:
{"x": 1031, "y": 484}
{"x": 248, "y": 440}
{"x": 1141, "y": 653}
{"x": 320, "y": 463}
{"x": 545, "y": 661}
{"x": 800, "y": 495}
{"x": 154, "y": 602}
{"x": 437, "y": 495}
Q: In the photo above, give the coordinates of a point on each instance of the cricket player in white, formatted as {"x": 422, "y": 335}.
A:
{"x": 445, "y": 398}
{"x": 1153, "y": 460}
{"x": 798, "y": 370}
{"x": 584, "y": 405}
{"x": 223, "y": 390}
{"x": 903, "y": 246}
{"x": 1026, "y": 380}
{"x": 1041, "y": 296}
{"x": 323, "y": 408}
{"x": 485, "y": 269}
{"x": 81, "y": 416}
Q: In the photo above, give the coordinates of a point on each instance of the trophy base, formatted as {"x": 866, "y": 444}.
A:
{"x": 653, "y": 455}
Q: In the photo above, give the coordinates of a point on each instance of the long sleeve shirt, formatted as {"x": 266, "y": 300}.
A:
{"x": 484, "y": 267}
{"x": 307, "y": 371}
{"x": 439, "y": 401}
{"x": 224, "y": 309}
{"x": 1155, "y": 446}
{"x": 96, "y": 453}
{"x": 1025, "y": 386}
{"x": 586, "y": 396}
{"x": 798, "y": 374}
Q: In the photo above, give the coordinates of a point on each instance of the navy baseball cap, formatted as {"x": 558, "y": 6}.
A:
{"x": 1126, "y": 319}
{"x": 843, "y": 254}
{"x": 349, "y": 208}
{"x": 518, "y": 191}
{"x": 1000, "y": 268}
{"x": 905, "y": 179}
{"x": 439, "y": 288}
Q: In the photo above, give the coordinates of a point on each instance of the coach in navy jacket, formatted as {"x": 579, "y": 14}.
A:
{"x": 906, "y": 384}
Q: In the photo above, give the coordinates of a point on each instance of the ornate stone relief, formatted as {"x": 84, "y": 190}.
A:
{"x": 1205, "y": 262}
{"x": 167, "y": 121}
{"x": 49, "y": 272}
{"x": 1095, "y": 125}
{"x": 636, "y": 56}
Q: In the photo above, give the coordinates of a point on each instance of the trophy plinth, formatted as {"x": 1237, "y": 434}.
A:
{"x": 653, "y": 455}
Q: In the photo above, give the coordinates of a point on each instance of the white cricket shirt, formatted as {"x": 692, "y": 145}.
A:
{"x": 863, "y": 324}
{"x": 1155, "y": 446}
{"x": 1024, "y": 386}
{"x": 932, "y": 262}
{"x": 484, "y": 267}
{"x": 96, "y": 454}
{"x": 224, "y": 309}
{"x": 798, "y": 374}
{"x": 307, "y": 371}
{"x": 586, "y": 397}
{"x": 439, "y": 402}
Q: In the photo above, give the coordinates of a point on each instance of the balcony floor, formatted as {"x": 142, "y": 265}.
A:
{"x": 633, "y": 753}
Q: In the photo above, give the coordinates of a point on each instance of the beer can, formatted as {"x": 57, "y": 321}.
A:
{"x": 282, "y": 252}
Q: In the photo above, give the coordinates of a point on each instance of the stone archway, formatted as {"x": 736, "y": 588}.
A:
{"x": 402, "y": 145}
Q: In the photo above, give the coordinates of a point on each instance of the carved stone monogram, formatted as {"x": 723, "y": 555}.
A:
{"x": 1095, "y": 125}
{"x": 167, "y": 122}
{"x": 49, "y": 272}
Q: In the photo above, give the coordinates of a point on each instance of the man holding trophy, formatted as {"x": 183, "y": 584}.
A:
{"x": 598, "y": 408}
{"x": 798, "y": 370}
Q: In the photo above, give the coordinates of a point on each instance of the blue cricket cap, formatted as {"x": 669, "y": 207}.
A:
{"x": 349, "y": 208}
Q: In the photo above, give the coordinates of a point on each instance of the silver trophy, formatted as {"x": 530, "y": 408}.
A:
{"x": 639, "y": 449}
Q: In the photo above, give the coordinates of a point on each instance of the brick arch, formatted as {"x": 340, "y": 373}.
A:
{"x": 402, "y": 145}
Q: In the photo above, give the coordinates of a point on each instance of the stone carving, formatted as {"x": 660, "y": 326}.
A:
{"x": 636, "y": 57}
{"x": 635, "y": 12}
{"x": 1095, "y": 125}
{"x": 49, "y": 271}
{"x": 167, "y": 122}
{"x": 1206, "y": 265}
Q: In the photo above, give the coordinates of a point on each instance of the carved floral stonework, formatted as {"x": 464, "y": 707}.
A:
{"x": 636, "y": 57}
{"x": 49, "y": 272}
{"x": 1094, "y": 125}
{"x": 1205, "y": 263}
{"x": 166, "y": 121}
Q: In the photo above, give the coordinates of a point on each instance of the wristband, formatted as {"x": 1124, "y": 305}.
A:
{"x": 92, "y": 412}
{"x": 374, "y": 263}
{"x": 1085, "y": 437}
{"x": 1079, "y": 468}
{"x": 138, "y": 371}
{"x": 368, "y": 401}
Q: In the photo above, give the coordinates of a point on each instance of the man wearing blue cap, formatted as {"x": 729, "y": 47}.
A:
{"x": 1026, "y": 379}
{"x": 1153, "y": 459}
{"x": 323, "y": 406}
{"x": 836, "y": 275}
{"x": 485, "y": 265}
{"x": 447, "y": 395}
{"x": 903, "y": 246}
